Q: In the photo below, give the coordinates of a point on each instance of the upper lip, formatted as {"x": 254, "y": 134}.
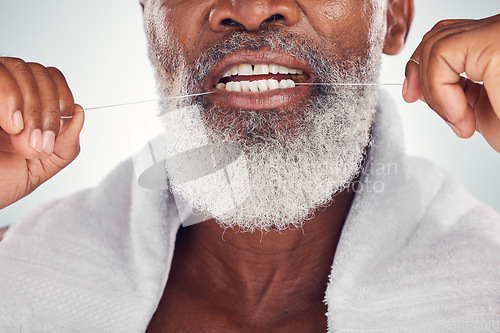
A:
{"x": 253, "y": 58}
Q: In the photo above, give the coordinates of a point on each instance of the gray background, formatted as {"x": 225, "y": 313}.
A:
{"x": 100, "y": 47}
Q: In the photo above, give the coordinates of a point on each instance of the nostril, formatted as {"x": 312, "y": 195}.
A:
{"x": 251, "y": 15}
{"x": 229, "y": 22}
{"x": 274, "y": 17}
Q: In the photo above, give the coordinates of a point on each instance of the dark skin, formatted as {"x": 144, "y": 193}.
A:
{"x": 241, "y": 282}
{"x": 252, "y": 282}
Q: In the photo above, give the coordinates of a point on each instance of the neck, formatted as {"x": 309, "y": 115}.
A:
{"x": 259, "y": 271}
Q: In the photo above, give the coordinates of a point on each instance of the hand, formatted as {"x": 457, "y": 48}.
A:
{"x": 35, "y": 143}
{"x": 453, "y": 47}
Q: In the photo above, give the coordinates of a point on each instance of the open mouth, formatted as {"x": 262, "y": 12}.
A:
{"x": 258, "y": 80}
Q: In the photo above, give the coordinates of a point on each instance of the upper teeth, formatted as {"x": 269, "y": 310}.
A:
{"x": 260, "y": 69}
{"x": 255, "y": 86}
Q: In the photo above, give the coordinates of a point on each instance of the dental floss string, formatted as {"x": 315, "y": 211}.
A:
{"x": 208, "y": 93}
{"x": 139, "y": 102}
{"x": 348, "y": 84}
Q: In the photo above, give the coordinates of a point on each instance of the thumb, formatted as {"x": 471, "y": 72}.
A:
{"x": 67, "y": 145}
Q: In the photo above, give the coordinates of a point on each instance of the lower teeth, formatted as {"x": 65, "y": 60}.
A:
{"x": 255, "y": 86}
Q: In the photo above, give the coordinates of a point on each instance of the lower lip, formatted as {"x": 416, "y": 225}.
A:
{"x": 259, "y": 100}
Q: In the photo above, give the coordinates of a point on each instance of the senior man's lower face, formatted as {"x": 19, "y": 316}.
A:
{"x": 301, "y": 144}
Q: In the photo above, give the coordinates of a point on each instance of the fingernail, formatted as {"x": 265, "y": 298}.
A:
{"x": 17, "y": 120}
{"x": 455, "y": 129}
{"x": 36, "y": 140}
{"x": 405, "y": 86}
{"x": 49, "y": 139}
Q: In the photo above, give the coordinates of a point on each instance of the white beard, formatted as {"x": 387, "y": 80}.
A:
{"x": 264, "y": 182}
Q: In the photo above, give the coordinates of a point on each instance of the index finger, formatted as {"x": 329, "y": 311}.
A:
{"x": 412, "y": 90}
{"x": 66, "y": 100}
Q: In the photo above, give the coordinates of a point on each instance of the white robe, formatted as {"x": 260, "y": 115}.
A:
{"x": 417, "y": 254}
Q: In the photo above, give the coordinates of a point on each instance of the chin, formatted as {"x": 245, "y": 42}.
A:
{"x": 282, "y": 173}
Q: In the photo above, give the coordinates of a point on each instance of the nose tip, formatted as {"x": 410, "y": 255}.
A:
{"x": 253, "y": 15}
